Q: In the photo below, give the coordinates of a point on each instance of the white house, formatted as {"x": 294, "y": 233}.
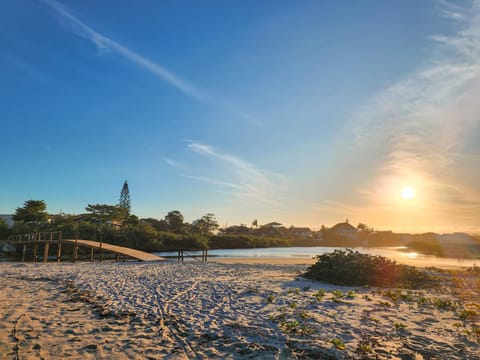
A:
{"x": 345, "y": 229}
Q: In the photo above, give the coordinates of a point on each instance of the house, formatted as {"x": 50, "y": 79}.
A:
{"x": 345, "y": 230}
{"x": 273, "y": 229}
{"x": 8, "y": 219}
{"x": 301, "y": 232}
{"x": 272, "y": 225}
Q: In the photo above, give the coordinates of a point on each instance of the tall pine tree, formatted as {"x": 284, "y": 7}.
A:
{"x": 125, "y": 197}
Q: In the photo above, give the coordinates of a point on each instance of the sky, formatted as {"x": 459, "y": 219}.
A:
{"x": 301, "y": 112}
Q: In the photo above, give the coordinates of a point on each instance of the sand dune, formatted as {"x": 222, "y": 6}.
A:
{"x": 226, "y": 311}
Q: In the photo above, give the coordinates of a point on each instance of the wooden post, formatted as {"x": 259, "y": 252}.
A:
{"x": 59, "y": 251}
{"x": 182, "y": 255}
{"x": 24, "y": 250}
{"x": 75, "y": 250}
{"x": 206, "y": 255}
{"x": 116, "y": 257}
{"x": 123, "y": 258}
{"x": 45, "y": 251}
{"x": 178, "y": 256}
{"x": 91, "y": 254}
{"x": 35, "y": 252}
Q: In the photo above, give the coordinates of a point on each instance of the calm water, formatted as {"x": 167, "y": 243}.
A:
{"x": 396, "y": 254}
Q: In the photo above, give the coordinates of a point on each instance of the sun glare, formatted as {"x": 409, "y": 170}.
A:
{"x": 408, "y": 193}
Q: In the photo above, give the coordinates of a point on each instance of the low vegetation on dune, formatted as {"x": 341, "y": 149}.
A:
{"x": 352, "y": 268}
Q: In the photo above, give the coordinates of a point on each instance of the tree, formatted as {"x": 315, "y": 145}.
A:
{"x": 32, "y": 211}
{"x": 255, "y": 223}
{"x": 4, "y": 230}
{"x": 125, "y": 197}
{"x": 206, "y": 225}
{"x": 106, "y": 214}
{"x": 159, "y": 225}
{"x": 175, "y": 222}
{"x": 364, "y": 227}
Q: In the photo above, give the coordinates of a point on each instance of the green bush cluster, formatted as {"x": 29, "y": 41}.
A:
{"x": 221, "y": 241}
{"x": 352, "y": 268}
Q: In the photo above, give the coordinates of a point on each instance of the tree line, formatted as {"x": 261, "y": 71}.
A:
{"x": 115, "y": 224}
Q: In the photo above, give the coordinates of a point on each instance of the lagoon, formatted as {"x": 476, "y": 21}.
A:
{"x": 397, "y": 254}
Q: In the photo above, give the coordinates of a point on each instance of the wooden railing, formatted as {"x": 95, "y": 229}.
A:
{"x": 46, "y": 236}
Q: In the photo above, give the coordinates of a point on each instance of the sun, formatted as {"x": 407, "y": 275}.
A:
{"x": 408, "y": 193}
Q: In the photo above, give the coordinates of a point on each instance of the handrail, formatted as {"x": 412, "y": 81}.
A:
{"x": 36, "y": 236}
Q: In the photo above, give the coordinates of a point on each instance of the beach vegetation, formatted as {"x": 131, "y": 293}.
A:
{"x": 338, "y": 294}
{"x": 367, "y": 297}
{"x": 384, "y": 303}
{"x": 351, "y": 294}
{"x": 338, "y": 343}
{"x": 319, "y": 294}
{"x": 303, "y": 315}
{"x": 467, "y": 314}
{"x": 271, "y": 298}
{"x": 355, "y": 269}
{"x": 444, "y": 304}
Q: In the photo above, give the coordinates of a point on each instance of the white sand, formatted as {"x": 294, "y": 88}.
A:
{"x": 225, "y": 311}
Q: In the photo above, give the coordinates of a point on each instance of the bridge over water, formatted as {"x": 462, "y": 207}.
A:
{"x": 46, "y": 239}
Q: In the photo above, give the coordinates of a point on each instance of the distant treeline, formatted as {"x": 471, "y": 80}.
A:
{"x": 115, "y": 224}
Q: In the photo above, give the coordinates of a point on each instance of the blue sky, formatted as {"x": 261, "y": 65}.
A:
{"x": 303, "y": 112}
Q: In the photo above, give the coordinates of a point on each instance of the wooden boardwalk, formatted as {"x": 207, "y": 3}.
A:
{"x": 54, "y": 238}
{"x": 118, "y": 250}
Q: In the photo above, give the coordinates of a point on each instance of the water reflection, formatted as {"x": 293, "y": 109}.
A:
{"x": 394, "y": 253}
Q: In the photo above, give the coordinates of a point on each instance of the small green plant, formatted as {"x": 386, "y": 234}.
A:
{"x": 366, "y": 297}
{"x": 303, "y": 315}
{"x": 384, "y": 303}
{"x": 467, "y": 314}
{"x": 271, "y": 298}
{"x": 291, "y": 326}
{"x": 444, "y": 304}
{"x": 319, "y": 294}
{"x": 338, "y": 343}
{"x": 366, "y": 348}
{"x": 292, "y": 305}
{"x": 399, "y": 326}
{"x": 306, "y": 288}
{"x": 422, "y": 300}
{"x": 338, "y": 294}
{"x": 351, "y": 294}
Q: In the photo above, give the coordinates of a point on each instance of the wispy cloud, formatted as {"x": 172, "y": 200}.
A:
{"x": 104, "y": 43}
{"x": 242, "y": 177}
{"x": 424, "y": 123}
{"x": 174, "y": 163}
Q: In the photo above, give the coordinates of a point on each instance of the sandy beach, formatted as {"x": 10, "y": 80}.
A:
{"x": 224, "y": 310}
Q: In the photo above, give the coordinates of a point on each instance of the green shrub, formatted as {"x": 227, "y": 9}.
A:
{"x": 352, "y": 268}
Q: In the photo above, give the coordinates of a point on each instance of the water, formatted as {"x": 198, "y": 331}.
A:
{"x": 394, "y": 253}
